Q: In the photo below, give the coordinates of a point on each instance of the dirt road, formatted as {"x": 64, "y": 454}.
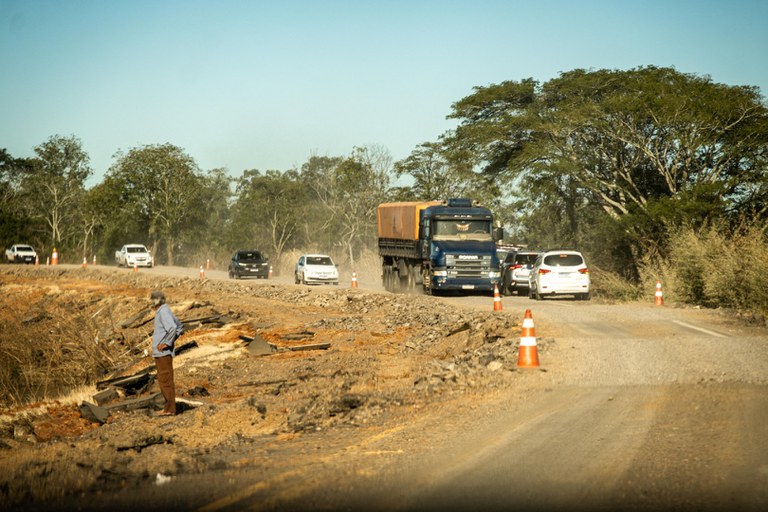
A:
{"x": 635, "y": 407}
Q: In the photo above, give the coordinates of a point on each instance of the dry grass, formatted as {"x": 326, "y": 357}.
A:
{"x": 714, "y": 267}
{"x": 47, "y": 348}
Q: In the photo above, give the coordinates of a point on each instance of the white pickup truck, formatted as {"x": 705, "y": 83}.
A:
{"x": 20, "y": 254}
{"x": 131, "y": 255}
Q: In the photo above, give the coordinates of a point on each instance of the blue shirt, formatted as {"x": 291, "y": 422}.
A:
{"x": 167, "y": 329}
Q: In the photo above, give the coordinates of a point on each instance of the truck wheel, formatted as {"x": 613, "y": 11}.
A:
{"x": 410, "y": 280}
{"x": 393, "y": 281}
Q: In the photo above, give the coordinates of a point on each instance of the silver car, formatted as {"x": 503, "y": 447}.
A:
{"x": 515, "y": 271}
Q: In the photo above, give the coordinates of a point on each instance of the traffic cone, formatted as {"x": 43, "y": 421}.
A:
{"x": 496, "y": 299}
{"x": 85, "y": 262}
{"x": 528, "y": 354}
{"x": 354, "y": 279}
{"x": 202, "y": 272}
{"x": 37, "y": 260}
{"x": 659, "y": 300}
{"x": 47, "y": 260}
{"x": 54, "y": 257}
{"x": 135, "y": 267}
{"x": 94, "y": 259}
{"x": 270, "y": 272}
{"x": 208, "y": 264}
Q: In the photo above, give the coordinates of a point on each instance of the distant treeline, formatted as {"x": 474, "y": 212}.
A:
{"x": 618, "y": 164}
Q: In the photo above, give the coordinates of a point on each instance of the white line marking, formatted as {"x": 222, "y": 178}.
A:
{"x": 705, "y": 331}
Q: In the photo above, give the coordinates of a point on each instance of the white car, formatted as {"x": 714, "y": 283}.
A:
{"x": 20, "y": 254}
{"x": 560, "y": 272}
{"x": 316, "y": 269}
{"x": 131, "y": 255}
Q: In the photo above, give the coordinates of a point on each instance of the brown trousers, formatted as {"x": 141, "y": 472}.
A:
{"x": 165, "y": 380}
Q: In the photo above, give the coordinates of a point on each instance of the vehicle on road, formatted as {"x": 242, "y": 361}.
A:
{"x": 437, "y": 246}
{"x": 20, "y": 253}
{"x": 249, "y": 263}
{"x": 134, "y": 255}
{"x": 316, "y": 269}
{"x": 559, "y": 272}
{"x": 515, "y": 271}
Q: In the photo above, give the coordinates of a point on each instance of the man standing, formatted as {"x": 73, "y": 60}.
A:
{"x": 167, "y": 329}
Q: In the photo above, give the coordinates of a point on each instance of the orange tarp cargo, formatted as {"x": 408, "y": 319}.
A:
{"x": 400, "y": 220}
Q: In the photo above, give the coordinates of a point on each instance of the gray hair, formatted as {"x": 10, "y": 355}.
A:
{"x": 157, "y": 298}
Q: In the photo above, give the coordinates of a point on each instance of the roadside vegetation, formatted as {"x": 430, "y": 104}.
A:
{"x": 652, "y": 173}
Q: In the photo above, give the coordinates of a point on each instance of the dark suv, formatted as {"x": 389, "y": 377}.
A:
{"x": 515, "y": 271}
{"x": 248, "y": 264}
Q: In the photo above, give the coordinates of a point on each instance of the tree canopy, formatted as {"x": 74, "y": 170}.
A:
{"x": 646, "y": 146}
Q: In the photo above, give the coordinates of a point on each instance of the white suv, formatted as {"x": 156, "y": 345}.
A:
{"x": 560, "y": 272}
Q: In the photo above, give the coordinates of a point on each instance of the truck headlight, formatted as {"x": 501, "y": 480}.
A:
{"x": 440, "y": 273}
{"x": 494, "y": 275}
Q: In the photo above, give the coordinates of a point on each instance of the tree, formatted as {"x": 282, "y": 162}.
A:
{"x": 216, "y": 195}
{"x": 160, "y": 185}
{"x": 15, "y": 224}
{"x": 268, "y": 210}
{"x": 433, "y": 175}
{"x": 648, "y": 143}
{"x": 350, "y": 191}
{"x": 52, "y": 190}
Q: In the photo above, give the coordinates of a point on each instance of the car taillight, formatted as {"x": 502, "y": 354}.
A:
{"x": 584, "y": 271}
{"x": 517, "y": 266}
{"x": 543, "y": 271}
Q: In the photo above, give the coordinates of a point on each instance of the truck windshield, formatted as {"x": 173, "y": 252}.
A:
{"x": 462, "y": 229}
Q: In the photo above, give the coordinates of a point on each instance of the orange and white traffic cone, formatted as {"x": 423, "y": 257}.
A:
{"x": 202, "y": 272}
{"x": 47, "y": 260}
{"x": 208, "y": 264}
{"x": 85, "y": 262}
{"x": 496, "y": 299}
{"x": 354, "y": 279}
{"x": 94, "y": 259}
{"x": 659, "y": 297}
{"x": 37, "y": 260}
{"x": 528, "y": 354}
{"x": 55, "y": 257}
{"x": 135, "y": 267}
{"x": 270, "y": 272}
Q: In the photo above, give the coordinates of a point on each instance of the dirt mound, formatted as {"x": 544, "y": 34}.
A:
{"x": 337, "y": 359}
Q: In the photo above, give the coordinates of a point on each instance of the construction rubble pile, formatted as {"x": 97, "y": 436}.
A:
{"x": 258, "y": 365}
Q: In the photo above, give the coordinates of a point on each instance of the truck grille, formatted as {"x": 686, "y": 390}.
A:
{"x": 467, "y": 266}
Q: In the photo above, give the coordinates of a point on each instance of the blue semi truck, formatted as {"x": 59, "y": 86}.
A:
{"x": 437, "y": 245}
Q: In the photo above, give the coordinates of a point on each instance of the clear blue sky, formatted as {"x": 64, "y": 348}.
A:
{"x": 266, "y": 84}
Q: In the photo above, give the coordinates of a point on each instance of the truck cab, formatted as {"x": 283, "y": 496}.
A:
{"x": 458, "y": 245}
